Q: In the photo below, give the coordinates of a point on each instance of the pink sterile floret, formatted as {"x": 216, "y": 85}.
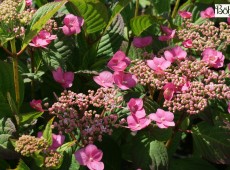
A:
{"x": 58, "y": 140}
{"x": 228, "y": 20}
{"x": 185, "y": 14}
{"x": 90, "y": 156}
{"x": 37, "y": 105}
{"x": 124, "y": 81}
{"x": 64, "y": 78}
{"x": 72, "y": 24}
{"x": 104, "y": 79}
{"x": 207, "y": 13}
{"x": 174, "y": 54}
{"x": 135, "y": 123}
{"x": 42, "y": 39}
{"x": 169, "y": 90}
{"x": 135, "y": 106}
{"x": 187, "y": 43}
{"x": 163, "y": 119}
{"x": 169, "y": 34}
{"x": 119, "y": 61}
{"x": 213, "y": 58}
{"x": 141, "y": 42}
{"x": 158, "y": 64}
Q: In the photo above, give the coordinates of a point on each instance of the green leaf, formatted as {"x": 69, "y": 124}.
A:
{"x": 117, "y": 9}
{"x": 7, "y": 126}
{"x": 74, "y": 165}
{"x": 13, "y": 107}
{"x": 190, "y": 164}
{"x": 29, "y": 117}
{"x": 47, "y": 133}
{"x": 39, "y": 19}
{"x": 150, "y": 105}
{"x": 161, "y": 9}
{"x": 94, "y": 12}
{"x": 4, "y": 164}
{"x": 22, "y": 166}
{"x": 112, "y": 39}
{"x": 212, "y": 142}
{"x": 6, "y": 76}
{"x": 141, "y": 23}
{"x": 111, "y": 155}
{"x": 159, "y": 155}
{"x": 38, "y": 159}
{"x": 66, "y": 146}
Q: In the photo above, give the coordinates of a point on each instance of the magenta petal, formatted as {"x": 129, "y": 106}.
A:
{"x": 58, "y": 75}
{"x": 58, "y": 140}
{"x": 169, "y": 56}
{"x": 81, "y": 157}
{"x": 94, "y": 165}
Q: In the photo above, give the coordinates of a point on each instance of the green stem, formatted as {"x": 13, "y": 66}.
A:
{"x": 136, "y": 8}
{"x": 176, "y": 129}
{"x": 15, "y": 71}
{"x": 175, "y": 8}
{"x": 33, "y": 71}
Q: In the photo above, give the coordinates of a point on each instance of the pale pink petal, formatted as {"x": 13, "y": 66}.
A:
{"x": 160, "y": 113}
{"x": 169, "y": 116}
{"x": 154, "y": 117}
{"x": 94, "y": 165}
{"x": 161, "y": 125}
{"x": 207, "y": 13}
{"x": 168, "y": 123}
{"x": 140, "y": 113}
{"x": 185, "y": 14}
{"x": 81, "y": 157}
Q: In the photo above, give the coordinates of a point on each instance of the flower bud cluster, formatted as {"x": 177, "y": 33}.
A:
{"x": 205, "y": 35}
{"x": 52, "y": 159}
{"x": 28, "y": 145}
{"x": 194, "y": 83}
{"x": 73, "y": 113}
{"x": 93, "y": 126}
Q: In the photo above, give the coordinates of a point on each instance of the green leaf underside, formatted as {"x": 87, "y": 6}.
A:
{"x": 112, "y": 39}
{"x": 47, "y": 133}
{"x": 94, "y": 12}
{"x": 212, "y": 142}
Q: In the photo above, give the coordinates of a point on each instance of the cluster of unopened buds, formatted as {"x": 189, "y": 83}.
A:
{"x": 206, "y": 35}
{"x": 28, "y": 145}
{"x": 187, "y": 85}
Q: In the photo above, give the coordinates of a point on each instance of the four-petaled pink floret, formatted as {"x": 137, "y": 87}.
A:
{"x": 176, "y": 53}
{"x": 72, "y": 24}
{"x": 168, "y": 34}
{"x": 207, "y": 13}
{"x": 119, "y": 61}
{"x": 124, "y": 81}
{"x": 158, "y": 64}
{"x": 104, "y": 79}
{"x": 214, "y": 58}
{"x": 43, "y": 39}
{"x": 163, "y": 119}
{"x": 64, "y": 78}
{"x": 90, "y": 156}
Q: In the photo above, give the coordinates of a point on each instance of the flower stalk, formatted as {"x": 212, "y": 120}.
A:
{"x": 15, "y": 71}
